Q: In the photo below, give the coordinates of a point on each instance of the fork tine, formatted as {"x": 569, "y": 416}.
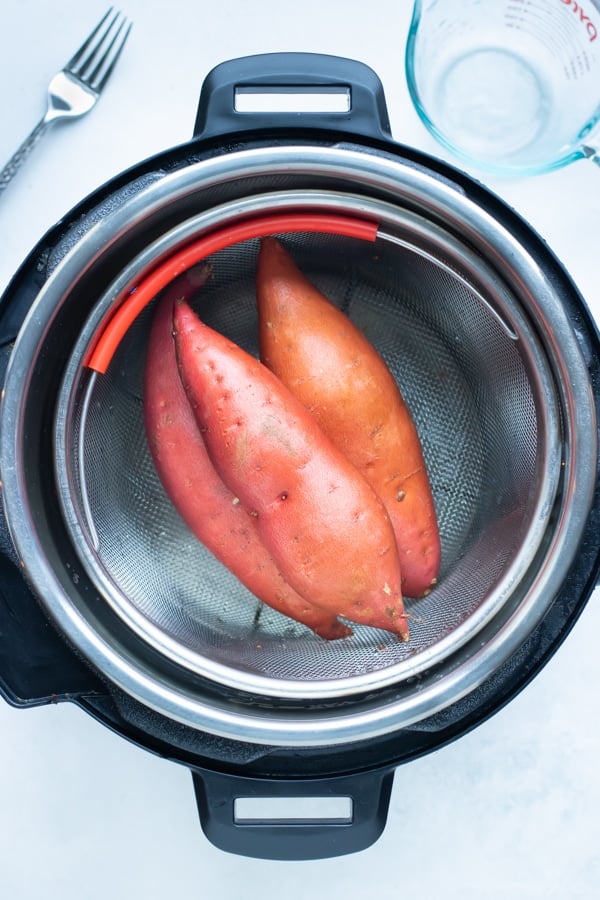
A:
{"x": 102, "y": 72}
{"x": 95, "y": 59}
{"x": 86, "y": 51}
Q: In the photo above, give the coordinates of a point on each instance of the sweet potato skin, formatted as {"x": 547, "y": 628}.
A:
{"x": 319, "y": 518}
{"x": 329, "y": 364}
{"x": 208, "y": 508}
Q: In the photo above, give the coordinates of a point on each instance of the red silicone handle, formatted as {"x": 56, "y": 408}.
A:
{"x": 141, "y": 294}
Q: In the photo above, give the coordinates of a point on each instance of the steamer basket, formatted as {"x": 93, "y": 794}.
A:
{"x": 481, "y": 391}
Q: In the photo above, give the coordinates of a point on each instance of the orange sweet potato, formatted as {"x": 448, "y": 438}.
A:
{"x": 318, "y": 517}
{"x": 338, "y": 375}
{"x": 191, "y": 482}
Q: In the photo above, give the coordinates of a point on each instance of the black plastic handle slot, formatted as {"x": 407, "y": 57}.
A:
{"x": 292, "y": 99}
{"x": 292, "y": 90}
{"x": 332, "y": 810}
{"x": 293, "y": 819}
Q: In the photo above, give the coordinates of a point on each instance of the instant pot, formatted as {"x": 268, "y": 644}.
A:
{"x": 108, "y": 602}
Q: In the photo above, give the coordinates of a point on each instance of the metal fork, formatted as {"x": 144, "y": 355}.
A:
{"x": 77, "y": 87}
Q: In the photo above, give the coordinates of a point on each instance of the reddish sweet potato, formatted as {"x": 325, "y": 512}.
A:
{"x": 190, "y": 480}
{"x": 338, "y": 375}
{"x": 319, "y": 518}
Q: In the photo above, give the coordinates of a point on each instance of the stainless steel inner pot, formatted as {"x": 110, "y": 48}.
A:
{"x": 486, "y": 358}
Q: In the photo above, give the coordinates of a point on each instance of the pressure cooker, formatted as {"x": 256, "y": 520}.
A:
{"x": 106, "y": 599}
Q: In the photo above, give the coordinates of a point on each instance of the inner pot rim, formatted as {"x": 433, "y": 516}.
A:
{"x": 392, "y": 178}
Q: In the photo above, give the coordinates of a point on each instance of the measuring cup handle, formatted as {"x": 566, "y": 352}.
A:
{"x": 309, "y": 74}
{"x": 366, "y": 797}
{"x": 593, "y": 153}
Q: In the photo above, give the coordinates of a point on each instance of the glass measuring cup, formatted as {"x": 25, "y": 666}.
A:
{"x": 510, "y": 85}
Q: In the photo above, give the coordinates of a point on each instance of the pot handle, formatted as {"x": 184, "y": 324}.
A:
{"x": 292, "y": 90}
{"x": 36, "y": 665}
{"x": 292, "y": 819}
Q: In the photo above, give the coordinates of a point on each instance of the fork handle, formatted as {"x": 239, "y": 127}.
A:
{"x": 18, "y": 158}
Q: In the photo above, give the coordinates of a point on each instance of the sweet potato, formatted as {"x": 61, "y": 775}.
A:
{"x": 329, "y": 364}
{"x": 191, "y": 482}
{"x": 318, "y": 517}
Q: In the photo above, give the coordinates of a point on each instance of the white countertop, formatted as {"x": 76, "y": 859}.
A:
{"x": 511, "y": 809}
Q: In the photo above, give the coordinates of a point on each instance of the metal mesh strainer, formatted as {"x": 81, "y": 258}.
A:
{"x": 476, "y": 381}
